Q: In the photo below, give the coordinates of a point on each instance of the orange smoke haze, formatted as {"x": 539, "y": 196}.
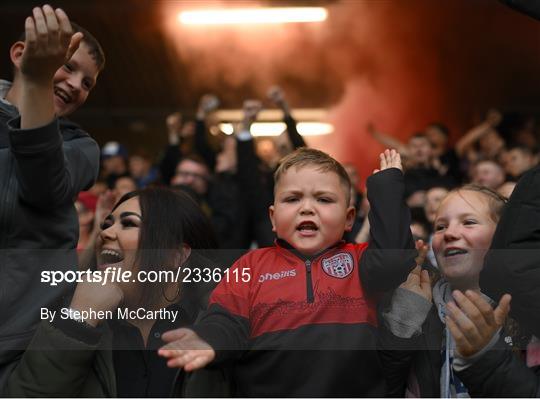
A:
{"x": 397, "y": 64}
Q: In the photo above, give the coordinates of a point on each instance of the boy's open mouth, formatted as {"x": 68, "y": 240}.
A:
{"x": 62, "y": 95}
{"x": 307, "y": 227}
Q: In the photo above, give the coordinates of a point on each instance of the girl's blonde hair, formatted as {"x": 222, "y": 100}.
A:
{"x": 496, "y": 201}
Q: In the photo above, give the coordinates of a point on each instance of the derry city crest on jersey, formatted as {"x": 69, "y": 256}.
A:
{"x": 339, "y": 265}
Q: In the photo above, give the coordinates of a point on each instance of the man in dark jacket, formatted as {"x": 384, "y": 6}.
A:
{"x": 44, "y": 162}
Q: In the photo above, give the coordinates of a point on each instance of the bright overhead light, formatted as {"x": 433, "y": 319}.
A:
{"x": 314, "y": 128}
{"x": 226, "y": 128}
{"x": 267, "y": 129}
{"x": 275, "y": 15}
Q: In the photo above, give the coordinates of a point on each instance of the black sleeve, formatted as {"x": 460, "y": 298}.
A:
{"x": 248, "y": 174}
{"x": 51, "y": 171}
{"x": 225, "y": 325}
{"x": 54, "y": 364}
{"x": 297, "y": 141}
{"x": 501, "y": 373}
{"x": 396, "y": 356}
{"x": 251, "y": 181}
{"x": 169, "y": 161}
{"x": 390, "y": 254}
{"x": 201, "y": 144}
{"x": 512, "y": 265}
{"x": 224, "y": 202}
{"x": 225, "y": 332}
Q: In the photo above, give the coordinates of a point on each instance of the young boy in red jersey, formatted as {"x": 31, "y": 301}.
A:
{"x": 305, "y": 323}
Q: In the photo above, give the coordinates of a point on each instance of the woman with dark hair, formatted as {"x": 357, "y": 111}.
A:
{"x": 104, "y": 343}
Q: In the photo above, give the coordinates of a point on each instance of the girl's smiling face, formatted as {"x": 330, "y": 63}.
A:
{"x": 463, "y": 231}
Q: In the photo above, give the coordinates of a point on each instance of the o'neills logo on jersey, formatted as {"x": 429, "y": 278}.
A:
{"x": 340, "y": 265}
{"x": 277, "y": 276}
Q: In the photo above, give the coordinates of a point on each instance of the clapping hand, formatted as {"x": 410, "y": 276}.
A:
{"x": 418, "y": 280}
{"x": 473, "y": 322}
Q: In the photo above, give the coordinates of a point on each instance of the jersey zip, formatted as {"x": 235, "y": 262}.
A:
{"x": 309, "y": 282}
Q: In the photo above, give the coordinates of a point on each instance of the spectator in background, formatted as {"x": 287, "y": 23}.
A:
{"x": 482, "y": 141}
{"x": 218, "y": 194}
{"x": 438, "y": 135}
{"x": 267, "y": 151}
{"x": 190, "y": 138}
{"x": 194, "y": 173}
{"x": 519, "y": 159}
{"x": 98, "y": 188}
{"x": 526, "y": 133}
{"x": 122, "y": 186}
{"x": 292, "y": 140}
{"x": 443, "y": 158}
{"x": 180, "y": 143}
{"x": 488, "y": 173}
{"x": 142, "y": 170}
{"x": 420, "y": 172}
{"x": 114, "y": 158}
{"x": 434, "y": 197}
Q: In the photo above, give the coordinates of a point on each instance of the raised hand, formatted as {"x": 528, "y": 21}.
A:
{"x": 473, "y": 322}
{"x": 226, "y": 160}
{"x": 251, "y": 109}
{"x": 49, "y": 43}
{"x": 275, "y": 94}
{"x": 493, "y": 117}
{"x": 185, "y": 349}
{"x": 174, "y": 123}
{"x": 208, "y": 103}
{"x": 419, "y": 282}
{"x": 389, "y": 159}
{"x": 422, "y": 249}
{"x": 96, "y": 296}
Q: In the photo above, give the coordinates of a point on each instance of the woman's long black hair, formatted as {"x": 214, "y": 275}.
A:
{"x": 170, "y": 219}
